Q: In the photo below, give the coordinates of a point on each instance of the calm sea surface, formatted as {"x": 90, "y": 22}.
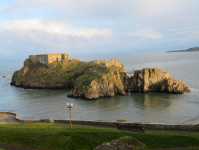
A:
{"x": 154, "y": 108}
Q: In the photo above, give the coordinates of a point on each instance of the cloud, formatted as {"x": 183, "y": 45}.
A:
{"x": 145, "y": 33}
{"x": 185, "y": 31}
{"x": 91, "y": 32}
{"x": 186, "y": 35}
{"x": 98, "y": 26}
{"x": 109, "y": 9}
{"x": 35, "y": 24}
{"x": 50, "y": 26}
{"x": 34, "y": 41}
{"x": 4, "y": 52}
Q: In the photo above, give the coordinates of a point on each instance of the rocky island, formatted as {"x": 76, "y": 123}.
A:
{"x": 91, "y": 80}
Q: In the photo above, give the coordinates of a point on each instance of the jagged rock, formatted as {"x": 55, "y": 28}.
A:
{"x": 107, "y": 84}
{"x": 173, "y": 86}
{"x": 123, "y": 143}
{"x": 107, "y": 64}
{"x": 155, "y": 80}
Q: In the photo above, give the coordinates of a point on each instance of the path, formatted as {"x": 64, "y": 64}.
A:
{"x": 8, "y": 118}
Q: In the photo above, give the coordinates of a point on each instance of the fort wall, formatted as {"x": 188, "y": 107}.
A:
{"x": 47, "y": 59}
{"x": 43, "y": 59}
{"x": 147, "y": 126}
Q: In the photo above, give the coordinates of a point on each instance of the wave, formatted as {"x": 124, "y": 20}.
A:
{"x": 194, "y": 89}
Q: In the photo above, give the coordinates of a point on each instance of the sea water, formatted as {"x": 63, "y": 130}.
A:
{"x": 135, "y": 107}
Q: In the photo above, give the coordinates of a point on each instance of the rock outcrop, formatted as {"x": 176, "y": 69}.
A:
{"x": 155, "y": 80}
{"x": 106, "y": 84}
{"x": 107, "y": 64}
{"x": 59, "y": 75}
{"x": 123, "y": 143}
{"x": 92, "y": 80}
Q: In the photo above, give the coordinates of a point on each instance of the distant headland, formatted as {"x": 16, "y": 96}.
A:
{"x": 91, "y": 80}
{"x": 193, "y": 49}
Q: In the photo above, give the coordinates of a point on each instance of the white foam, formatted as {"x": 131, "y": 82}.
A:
{"x": 194, "y": 89}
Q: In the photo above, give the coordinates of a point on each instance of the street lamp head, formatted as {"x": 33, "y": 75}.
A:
{"x": 69, "y": 105}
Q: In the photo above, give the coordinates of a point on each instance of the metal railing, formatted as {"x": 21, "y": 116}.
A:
{"x": 34, "y": 118}
{"x": 7, "y": 111}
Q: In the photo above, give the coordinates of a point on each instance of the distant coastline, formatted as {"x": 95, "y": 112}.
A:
{"x": 193, "y": 49}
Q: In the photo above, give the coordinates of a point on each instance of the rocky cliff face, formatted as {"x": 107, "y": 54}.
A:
{"x": 155, "y": 80}
{"x": 107, "y": 84}
{"x": 95, "y": 79}
{"x": 115, "y": 81}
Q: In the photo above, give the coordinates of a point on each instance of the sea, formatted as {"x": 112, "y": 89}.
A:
{"x": 135, "y": 107}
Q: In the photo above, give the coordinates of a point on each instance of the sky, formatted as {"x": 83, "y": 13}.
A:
{"x": 95, "y": 27}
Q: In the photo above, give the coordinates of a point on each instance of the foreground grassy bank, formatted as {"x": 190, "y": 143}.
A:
{"x": 49, "y": 136}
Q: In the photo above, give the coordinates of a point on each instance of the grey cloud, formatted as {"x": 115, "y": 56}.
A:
{"x": 176, "y": 21}
{"x": 24, "y": 42}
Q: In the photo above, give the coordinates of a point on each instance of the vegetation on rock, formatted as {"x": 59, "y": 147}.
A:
{"x": 123, "y": 143}
{"x": 57, "y": 75}
{"x": 95, "y": 79}
{"x": 99, "y": 82}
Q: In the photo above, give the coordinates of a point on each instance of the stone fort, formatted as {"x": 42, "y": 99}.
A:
{"x": 47, "y": 59}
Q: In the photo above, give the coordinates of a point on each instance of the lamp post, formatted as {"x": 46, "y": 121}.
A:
{"x": 70, "y": 106}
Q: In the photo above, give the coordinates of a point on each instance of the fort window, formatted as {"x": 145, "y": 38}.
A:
{"x": 57, "y": 59}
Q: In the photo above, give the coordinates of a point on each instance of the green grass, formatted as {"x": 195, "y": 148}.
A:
{"x": 49, "y": 136}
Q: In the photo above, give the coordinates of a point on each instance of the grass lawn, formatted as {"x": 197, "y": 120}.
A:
{"x": 49, "y": 136}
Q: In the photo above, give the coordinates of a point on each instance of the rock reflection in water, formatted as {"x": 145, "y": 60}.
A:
{"x": 153, "y": 100}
